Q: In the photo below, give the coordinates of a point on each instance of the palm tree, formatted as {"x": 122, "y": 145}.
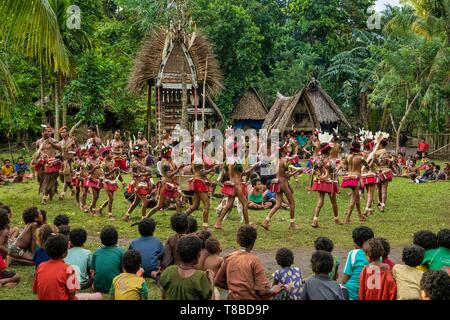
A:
{"x": 8, "y": 89}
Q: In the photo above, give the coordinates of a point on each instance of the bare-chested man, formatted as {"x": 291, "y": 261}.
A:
{"x": 51, "y": 161}
{"x": 93, "y": 139}
{"x": 68, "y": 146}
{"x": 21, "y": 251}
{"x": 141, "y": 140}
{"x": 141, "y": 184}
{"x": 352, "y": 165}
{"x": 281, "y": 186}
{"x": 118, "y": 151}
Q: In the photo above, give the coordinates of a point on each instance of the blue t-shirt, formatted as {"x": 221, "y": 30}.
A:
{"x": 151, "y": 250}
{"x": 289, "y": 276}
{"x": 40, "y": 256}
{"x": 80, "y": 259}
{"x": 356, "y": 261}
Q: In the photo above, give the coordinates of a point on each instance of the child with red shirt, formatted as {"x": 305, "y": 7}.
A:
{"x": 376, "y": 282}
{"x": 54, "y": 279}
{"x": 386, "y": 252}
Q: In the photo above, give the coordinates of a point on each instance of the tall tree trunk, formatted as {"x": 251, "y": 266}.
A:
{"x": 447, "y": 112}
{"x": 43, "y": 116}
{"x": 383, "y": 118}
{"x": 362, "y": 101}
{"x": 149, "y": 113}
{"x": 57, "y": 107}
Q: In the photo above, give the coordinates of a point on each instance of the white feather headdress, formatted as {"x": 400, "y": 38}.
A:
{"x": 325, "y": 137}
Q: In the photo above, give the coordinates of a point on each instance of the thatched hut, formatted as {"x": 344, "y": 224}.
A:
{"x": 250, "y": 111}
{"x": 169, "y": 59}
{"x": 310, "y": 108}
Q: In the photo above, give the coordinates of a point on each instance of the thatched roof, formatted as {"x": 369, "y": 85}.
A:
{"x": 166, "y": 53}
{"x": 313, "y": 100}
{"x": 250, "y": 107}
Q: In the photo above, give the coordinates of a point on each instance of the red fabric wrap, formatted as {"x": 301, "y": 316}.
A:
{"x": 369, "y": 179}
{"x": 351, "y": 182}
{"x": 325, "y": 186}
{"x": 110, "y": 186}
{"x": 92, "y": 183}
{"x": 120, "y": 163}
{"x": 199, "y": 185}
{"x": 275, "y": 186}
{"x": 386, "y": 175}
{"x": 53, "y": 165}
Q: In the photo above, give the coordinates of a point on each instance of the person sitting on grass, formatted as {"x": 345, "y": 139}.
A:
{"x": 320, "y": 286}
{"x": 427, "y": 240}
{"x": 22, "y": 250}
{"x": 44, "y": 216}
{"x": 8, "y": 171}
{"x": 180, "y": 224}
{"x": 242, "y": 273}
{"x": 386, "y": 252}
{"x": 288, "y": 276}
{"x": 106, "y": 261}
{"x": 42, "y": 234}
{"x": 203, "y": 236}
{"x": 13, "y": 232}
{"x": 439, "y": 258}
{"x": 61, "y": 220}
{"x": 435, "y": 285}
{"x": 256, "y": 196}
{"x": 4, "y": 232}
{"x": 325, "y": 244}
{"x": 78, "y": 257}
{"x": 8, "y": 278}
{"x": 183, "y": 281}
{"x": 64, "y": 230}
{"x": 356, "y": 261}
{"x": 21, "y": 168}
{"x": 407, "y": 276}
{"x": 130, "y": 284}
{"x": 193, "y": 225}
{"x": 54, "y": 279}
{"x": 213, "y": 261}
{"x": 150, "y": 248}
{"x": 376, "y": 282}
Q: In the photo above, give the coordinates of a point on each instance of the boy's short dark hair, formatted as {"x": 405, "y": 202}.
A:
{"x": 193, "y": 226}
{"x": 255, "y": 181}
{"x": 29, "y": 215}
{"x": 56, "y": 246}
{"x": 362, "y": 234}
{"x": 203, "y": 236}
{"x": 188, "y": 248}
{"x": 322, "y": 262}
{"x": 61, "y": 220}
{"x": 131, "y": 261}
{"x": 284, "y": 257}
{"x": 6, "y": 207}
{"x": 78, "y": 237}
{"x": 324, "y": 243}
{"x": 146, "y": 227}
{"x": 426, "y": 239}
{"x": 4, "y": 219}
{"x": 179, "y": 223}
{"x": 64, "y": 229}
{"x": 373, "y": 248}
{"x": 443, "y": 237}
{"x": 212, "y": 245}
{"x": 413, "y": 256}
{"x": 44, "y": 215}
{"x": 386, "y": 246}
{"x": 246, "y": 236}
{"x": 109, "y": 236}
{"x": 436, "y": 284}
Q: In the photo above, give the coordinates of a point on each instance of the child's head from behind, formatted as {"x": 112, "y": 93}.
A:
{"x": 443, "y": 237}
{"x": 435, "y": 285}
{"x": 8, "y": 210}
{"x": 246, "y": 236}
{"x": 146, "y": 227}
{"x": 373, "y": 248}
{"x": 193, "y": 226}
{"x": 188, "y": 249}
{"x": 426, "y": 239}
{"x": 44, "y": 232}
{"x": 61, "y": 220}
{"x": 361, "y": 235}
{"x": 324, "y": 243}
{"x": 386, "y": 247}
{"x": 109, "y": 236}
{"x": 64, "y": 229}
{"x": 413, "y": 256}
{"x": 212, "y": 245}
{"x": 4, "y": 219}
{"x": 31, "y": 215}
{"x": 78, "y": 237}
{"x": 131, "y": 261}
{"x": 179, "y": 223}
{"x": 56, "y": 246}
{"x": 203, "y": 236}
{"x": 322, "y": 262}
{"x": 284, "y": 257}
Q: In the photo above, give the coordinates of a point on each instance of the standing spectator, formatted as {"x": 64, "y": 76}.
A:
{"x": 422, "y": 148}
{"x": 402, "y": 143}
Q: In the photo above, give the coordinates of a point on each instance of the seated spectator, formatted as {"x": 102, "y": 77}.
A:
{"x": 439, "y": 258}
{"x": 256, "y": 196}
{"x": 21, "y": 168}
{"x": 42, "y": 234}
{"x": 78, "y": 257}
{"x": 8, "y": 171}
{"x": 427, "y": 240}
{"x": 325, "y": 244}
{"x": 320, "y": 286}
{"x": 180, "y": 224}
{"x": 386, "y": 252}
{"x": 213, "y": 261}
{"x": 407, "y": 276}
{"x": 288, "y": 276}
{"x": 435, "y": 285}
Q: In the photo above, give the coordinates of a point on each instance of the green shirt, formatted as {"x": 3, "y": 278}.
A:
{"x": 107, "y": 264}
{"x": 196, "y": 287}
{"x": 256, "y": 198}
{"x": 436, "y": 259}
{"x": 128, "y": 286}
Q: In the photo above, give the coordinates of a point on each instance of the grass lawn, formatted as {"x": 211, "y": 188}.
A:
{"x": 410, "y": 207}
